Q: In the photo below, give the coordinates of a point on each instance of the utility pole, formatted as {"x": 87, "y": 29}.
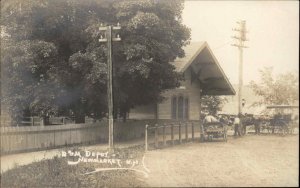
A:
{"x": 108, "y": 31}
{"x": 240, "y": 40}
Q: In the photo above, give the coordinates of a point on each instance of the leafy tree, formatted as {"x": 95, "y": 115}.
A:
{"x": 75, "y": 71}
{"x": 152, "y": 36}
{"x": 276, "y": 90}
{"x": 76, "y": 74}
{"x": 27, "y": 76}
{"x": 212, "y": 103}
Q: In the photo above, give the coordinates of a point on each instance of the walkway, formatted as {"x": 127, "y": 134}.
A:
{"x": 20, "y": 159}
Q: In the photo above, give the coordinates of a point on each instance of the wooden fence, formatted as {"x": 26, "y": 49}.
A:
{"x": 170, "y": 134}
{"x": 37, "y": 121}
{"x": 31, "y": 138}
{"x": 31, "y": 121}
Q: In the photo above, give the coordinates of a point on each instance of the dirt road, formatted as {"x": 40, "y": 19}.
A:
{"x": 249, "y": 161}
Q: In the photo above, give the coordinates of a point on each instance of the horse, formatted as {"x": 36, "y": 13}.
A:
{"x": 249, "y": 120}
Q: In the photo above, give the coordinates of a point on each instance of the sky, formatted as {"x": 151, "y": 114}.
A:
{"x": 273, "y": 34}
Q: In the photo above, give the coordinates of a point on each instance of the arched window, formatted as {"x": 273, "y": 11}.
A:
{"x": 180, "y": 107}
{"x": 186, "y": 108}
{"x": 174, "y": 107}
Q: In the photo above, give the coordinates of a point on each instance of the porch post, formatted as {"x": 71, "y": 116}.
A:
{"x": 200, "y": 122}
{"x": 164, "y": 134}
{"x": 179, "y": 127}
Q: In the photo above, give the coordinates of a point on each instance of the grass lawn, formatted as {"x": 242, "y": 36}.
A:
{"x": 57, "y": 173}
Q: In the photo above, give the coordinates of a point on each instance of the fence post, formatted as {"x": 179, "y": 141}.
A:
{"x": 146, "y": 138}
{"x": 193, "y": 131}
{"x": 164, "y": 134}
{"x": 32, "y": 121}
{"x": 202, "y": 136}
{"x": 26, "y": 141}
{"x": 41, "y": 121}
{"x": 54, "y": 138}
{"x": 156, "y": 136}
{"x": 186, "y": 132}
{"x": 179, "y": 132}
{"x": 172, "y": 133}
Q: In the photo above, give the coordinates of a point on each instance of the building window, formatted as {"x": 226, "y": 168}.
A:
{"x": 186, "y": 108}
{"x": 174, "y": 107}
{"x": 180, "y": 108}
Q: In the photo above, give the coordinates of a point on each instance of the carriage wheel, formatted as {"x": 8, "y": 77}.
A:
{"x": 283, "y": 130}
{"x": 263, "y": 128}
{"x": 210, "y": 138}
{"x": 270, "y": 129}
{"x": 277, "y": 129}
{"x": 286, "y": 129}
{"x": 291, "y": 129}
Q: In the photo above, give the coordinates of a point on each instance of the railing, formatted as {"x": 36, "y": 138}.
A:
{"x": 31, "y": 121}
{"x": 171, "y": 134}
{"x": 37, "y": 121}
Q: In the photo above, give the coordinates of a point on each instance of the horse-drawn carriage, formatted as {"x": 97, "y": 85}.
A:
{"x": 281, "y": 119}
{"x": 215, "y": 130}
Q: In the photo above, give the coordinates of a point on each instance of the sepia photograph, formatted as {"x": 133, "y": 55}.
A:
{"x": 149, "y": 93}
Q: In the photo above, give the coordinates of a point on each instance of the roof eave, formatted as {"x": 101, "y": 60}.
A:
{"x": 220, "y": 68}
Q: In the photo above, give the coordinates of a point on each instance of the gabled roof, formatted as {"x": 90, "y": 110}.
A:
{"x": 204, "y": 64}
{"x": 191, "y": 52}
